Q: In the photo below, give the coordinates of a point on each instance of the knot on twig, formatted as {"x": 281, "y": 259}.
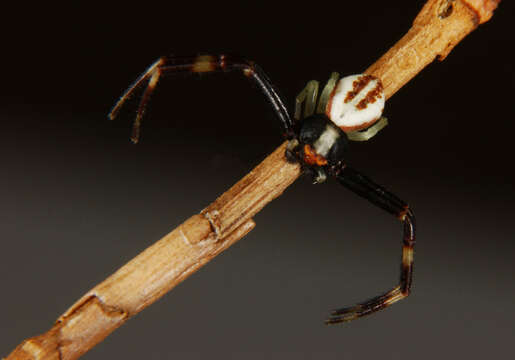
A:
{"x": 445, "y": 8}
{"x": 214, "y": 220}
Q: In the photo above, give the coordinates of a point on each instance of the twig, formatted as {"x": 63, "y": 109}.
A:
{"x": 440, "y": 25}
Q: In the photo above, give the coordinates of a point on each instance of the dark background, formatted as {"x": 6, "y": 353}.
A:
{"x": 79, "y": 200}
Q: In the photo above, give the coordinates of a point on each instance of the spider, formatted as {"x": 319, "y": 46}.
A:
{"x": 349, "y": 108}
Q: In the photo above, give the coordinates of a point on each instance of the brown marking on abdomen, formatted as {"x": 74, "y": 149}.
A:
{"x": 358, "y": 85}
{"x": 371, "y": 96}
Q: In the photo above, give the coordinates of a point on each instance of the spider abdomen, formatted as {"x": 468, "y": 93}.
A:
{"x": 356, "y": 103}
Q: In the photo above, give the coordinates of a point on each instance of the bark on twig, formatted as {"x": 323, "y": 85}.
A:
{"x": 440, "y": 25}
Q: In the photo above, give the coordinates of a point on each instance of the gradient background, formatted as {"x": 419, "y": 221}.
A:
{"x": 79, "y": 201}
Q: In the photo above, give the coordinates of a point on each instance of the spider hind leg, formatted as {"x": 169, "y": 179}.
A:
{"x": 389, "y": 202}
{"x": 368, "y": 307}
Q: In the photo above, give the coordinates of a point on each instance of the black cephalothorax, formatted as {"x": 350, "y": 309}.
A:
{"x": 315, "y": 140}
{"x": 319, "y": 146}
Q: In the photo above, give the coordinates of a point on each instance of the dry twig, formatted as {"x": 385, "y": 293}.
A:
{"x": 440, "y": 25}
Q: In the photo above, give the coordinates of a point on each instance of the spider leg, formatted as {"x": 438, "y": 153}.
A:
{"x": 389, "y": 202}
{"x": 309, "y": 95}
{"x": 327, "y": 92}
{"x": 364, "y": 135}
{"x": 152, "y": 69}
{"x": 168, "y": 65}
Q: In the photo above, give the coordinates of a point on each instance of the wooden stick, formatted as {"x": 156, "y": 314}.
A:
{"x": 440, "y": 25}
{"x": 438, "y": 28}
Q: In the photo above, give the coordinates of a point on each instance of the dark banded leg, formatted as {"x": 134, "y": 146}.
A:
{"x": 381, "y": 197}
{"x": 201, "y": 64}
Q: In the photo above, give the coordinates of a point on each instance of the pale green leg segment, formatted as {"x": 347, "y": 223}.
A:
{"x": 309, "y": 95}
{"x": 364, "y": 135}
{"x": 326, "y": 93}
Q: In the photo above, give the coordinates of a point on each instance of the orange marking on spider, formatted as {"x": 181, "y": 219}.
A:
{"x": 312, "y": 158}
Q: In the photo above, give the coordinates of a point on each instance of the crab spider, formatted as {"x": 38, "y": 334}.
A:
{"x": 349, "y": 108}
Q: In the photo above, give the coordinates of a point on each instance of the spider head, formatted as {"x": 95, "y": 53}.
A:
{"x": 320, "y": 142}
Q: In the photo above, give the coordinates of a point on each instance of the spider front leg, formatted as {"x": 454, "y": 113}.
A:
{"x": 169, "y": 65}
{"x": 384, "y": 199}
{"x": 308, "y": 95}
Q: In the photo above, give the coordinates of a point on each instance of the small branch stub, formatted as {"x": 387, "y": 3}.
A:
{"x": 484, "y": 9}
{"x": 440, "y": 26}
{"x": 437, "y": 29}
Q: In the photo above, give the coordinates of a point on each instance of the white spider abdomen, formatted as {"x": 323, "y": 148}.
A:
{"x": 356, "y": 103}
